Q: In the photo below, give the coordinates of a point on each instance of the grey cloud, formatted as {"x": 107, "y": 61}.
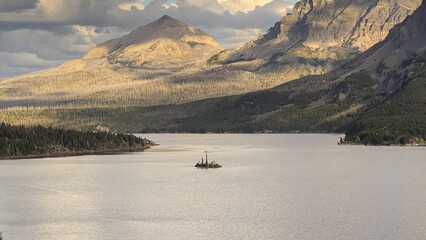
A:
{"x": 17, "y": 5}
{"x": 231, "y": 37}
{"x": 106, "y": 13}
{"x": 12, "y": 64}
{"x": 43, "y": 44}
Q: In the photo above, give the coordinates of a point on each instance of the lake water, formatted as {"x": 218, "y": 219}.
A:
{"x": 270, "y": 187}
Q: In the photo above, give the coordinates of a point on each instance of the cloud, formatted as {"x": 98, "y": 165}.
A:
{"x": 132, "y": 6}
{"x": 12, "y": 64}
{"x": 27, "y": 60}
{"x": 16, "y": 5}
{"x": 59, "y": 30}
{"x": 232, "y": 38}
{"x": 234, "y": 6}
{"x": 210, "y": 5}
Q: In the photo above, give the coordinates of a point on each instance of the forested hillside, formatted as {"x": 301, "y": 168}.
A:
{"x": 401, "y": 119}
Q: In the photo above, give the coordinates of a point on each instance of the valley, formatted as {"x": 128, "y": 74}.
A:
{"x": 299, "y": 77}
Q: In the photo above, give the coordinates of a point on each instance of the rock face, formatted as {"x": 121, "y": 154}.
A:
{"x": 412, "y": 32}
{"x": 404, "y": 41}
{"x": 340, "y": 27}
{"x": 166, "y": 42}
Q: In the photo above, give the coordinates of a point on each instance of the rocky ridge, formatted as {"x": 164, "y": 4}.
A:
{"x": 326, "y": 29}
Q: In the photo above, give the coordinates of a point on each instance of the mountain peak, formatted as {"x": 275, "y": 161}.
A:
{"x": 164, "y": 22}
{"x": 166, "y": 17}
{"x": 164, "y": 40}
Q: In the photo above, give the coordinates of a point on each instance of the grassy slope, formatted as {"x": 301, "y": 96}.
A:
{"x": 316, "y": 110}
{"x": 302, "y": 106}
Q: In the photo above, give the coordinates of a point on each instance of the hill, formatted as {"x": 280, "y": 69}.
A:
{"x": 399, "y": 120}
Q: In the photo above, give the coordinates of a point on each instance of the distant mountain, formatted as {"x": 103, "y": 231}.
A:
{"x": 169, "y": 62}
{"x": 148, "y": 66}
{"x": 164, "y": 62}
{"x": 166, "y": 42}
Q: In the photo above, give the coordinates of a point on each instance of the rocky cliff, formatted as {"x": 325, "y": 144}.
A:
{"x": 326, "y": 29}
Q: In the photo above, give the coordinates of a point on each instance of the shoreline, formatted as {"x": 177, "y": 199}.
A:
{"x": 382, "y": 145}
{"x": 244, "y": 133}
{"x": 73, "y": 154}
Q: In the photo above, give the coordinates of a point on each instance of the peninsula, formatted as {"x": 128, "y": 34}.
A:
{"x": 17, "y": 142}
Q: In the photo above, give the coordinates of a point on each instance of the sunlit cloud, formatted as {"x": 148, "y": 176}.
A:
{"x": 129, "y": 6}
{"x": 234, "y": 6}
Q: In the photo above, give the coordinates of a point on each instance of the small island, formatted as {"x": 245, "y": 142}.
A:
{"x": 206, "y": 164}
{"x": 17, "y": 142}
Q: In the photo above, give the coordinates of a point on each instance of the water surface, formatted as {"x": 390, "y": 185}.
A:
{"x": 270, "y": 187}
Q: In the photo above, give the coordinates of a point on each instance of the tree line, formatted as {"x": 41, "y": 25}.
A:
{"x": 16, "y": 141}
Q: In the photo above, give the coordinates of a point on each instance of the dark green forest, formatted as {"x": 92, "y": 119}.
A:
{"x": 21, "y": 141}
{"x": 399, "y": 120}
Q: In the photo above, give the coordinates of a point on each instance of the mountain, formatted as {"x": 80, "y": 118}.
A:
{"x": 166, "y": 42}
{"x": 321, "y": 34}
{"x": 164, "y": 62}
{"x": 377, "y": 97}
{"x": 149, "y": 66}
{"x": 170, "y": 62}
{"x": 401, "y": 119}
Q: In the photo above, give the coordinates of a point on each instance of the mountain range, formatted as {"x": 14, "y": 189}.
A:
{"x": 349, "y": 61}
{"x": 170, "y": 62}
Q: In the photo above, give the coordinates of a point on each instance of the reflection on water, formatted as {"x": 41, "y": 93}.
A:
{"x": 270, "y": 187}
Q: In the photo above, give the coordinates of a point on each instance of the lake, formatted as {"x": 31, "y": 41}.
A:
{"x": 271, "y": 186}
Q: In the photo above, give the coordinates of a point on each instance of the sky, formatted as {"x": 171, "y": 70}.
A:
{"x": 40, "y": 34}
